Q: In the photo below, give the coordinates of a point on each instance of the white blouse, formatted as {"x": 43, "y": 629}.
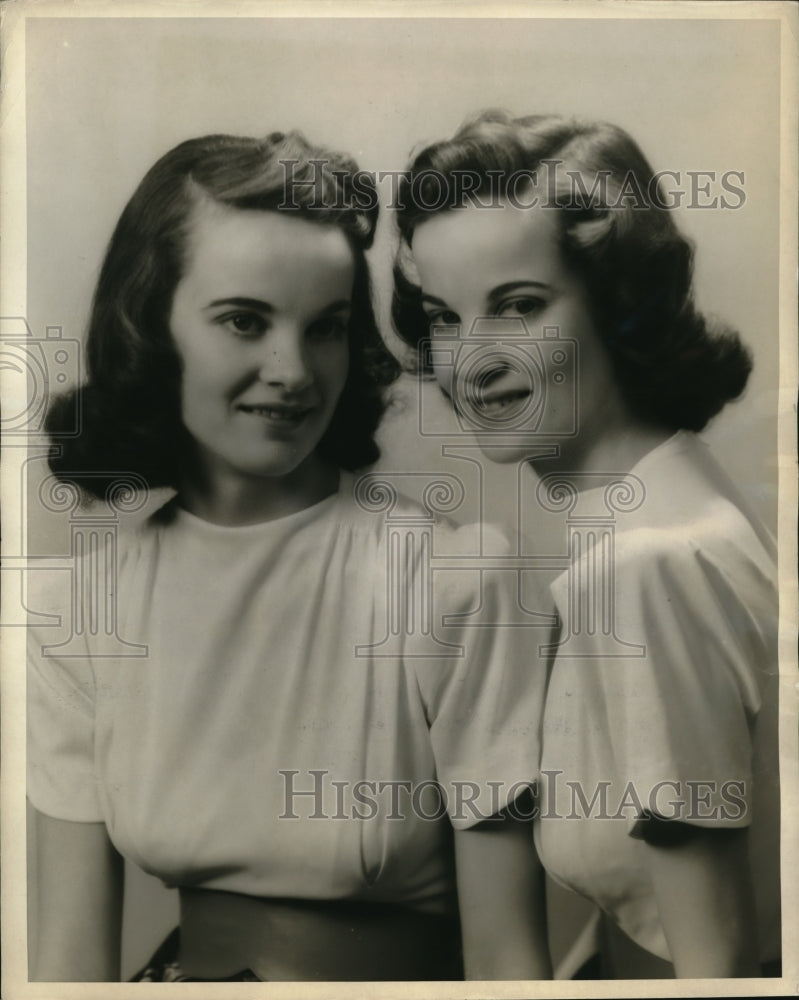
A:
{"x": 684, "y": 725}
{"x": 261, "y": 746}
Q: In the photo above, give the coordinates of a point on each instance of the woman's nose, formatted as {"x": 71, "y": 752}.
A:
{"x": 284, "y": 362}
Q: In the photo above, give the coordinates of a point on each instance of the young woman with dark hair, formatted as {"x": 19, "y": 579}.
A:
{"x": 130, "y": 405}
{"x": 555, "y": 234}
{"x": 266, "y": 756}
{"x": 673, "y": 369}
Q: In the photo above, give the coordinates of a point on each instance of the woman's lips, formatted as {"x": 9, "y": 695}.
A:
{"x": 499, "y": 403}
{"x": 276, "y": 414}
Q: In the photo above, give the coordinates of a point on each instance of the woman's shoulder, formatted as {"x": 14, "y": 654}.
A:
{"x": 104, "y": 556}
{"x": 665, "y": 568}
{"x": 379, "y": 502}
{"x": 139, "y": 536}
{"x": 400, "y": 534}
{"x": 690, "y": 509}
{"x": 690, "y": 545}
{"x": 716, "y": 558}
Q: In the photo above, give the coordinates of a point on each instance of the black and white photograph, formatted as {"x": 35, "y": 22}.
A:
{"x": 399, "y": 499}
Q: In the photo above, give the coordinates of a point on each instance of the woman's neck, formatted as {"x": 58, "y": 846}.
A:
{"x": 230, "y": 499}
{"x": 615, "y": 448}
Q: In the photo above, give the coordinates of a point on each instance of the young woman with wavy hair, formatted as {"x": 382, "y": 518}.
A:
{"x": 554, "y": 233}
{"x": 265, "y": 755}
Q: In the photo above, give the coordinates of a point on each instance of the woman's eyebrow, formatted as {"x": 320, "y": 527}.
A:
{"x": 433, "y": 300}
{"x": 512, "y": 286}
{"x": 242, "y": 303}
{"x": 495, "y": 293}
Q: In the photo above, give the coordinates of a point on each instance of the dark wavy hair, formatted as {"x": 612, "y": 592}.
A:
{"x": 130, "y": 404}
{"x": 673, "y": 366}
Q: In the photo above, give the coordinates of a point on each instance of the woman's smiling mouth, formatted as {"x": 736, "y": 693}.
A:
{"x": 499, "y": 403}
{"x": 277, "y": 414}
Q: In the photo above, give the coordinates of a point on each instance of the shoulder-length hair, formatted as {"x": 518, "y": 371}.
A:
{"x": 130, "y": 405}
{"x": 673, "y": 366}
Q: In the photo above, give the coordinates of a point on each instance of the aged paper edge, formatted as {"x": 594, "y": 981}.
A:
{"x": 13, "y": 297}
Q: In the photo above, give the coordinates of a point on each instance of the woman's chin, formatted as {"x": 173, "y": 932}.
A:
{"x": 507, "y": 449}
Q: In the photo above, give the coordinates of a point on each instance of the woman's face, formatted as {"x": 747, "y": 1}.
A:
{"x": 260, "y": 320}
{"x": 517, "y": 385}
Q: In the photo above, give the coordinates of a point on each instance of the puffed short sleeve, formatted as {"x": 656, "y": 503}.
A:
{"x": 483, "y": 707}
{"x": 679, "y": 710}
{"x": 60, "y": 709}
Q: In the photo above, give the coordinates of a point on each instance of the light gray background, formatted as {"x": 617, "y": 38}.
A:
{"x": 106, "y": 97}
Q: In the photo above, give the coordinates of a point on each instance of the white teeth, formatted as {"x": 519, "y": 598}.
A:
{"x": 502, "y": 403}
{"x": 272, "y": 413}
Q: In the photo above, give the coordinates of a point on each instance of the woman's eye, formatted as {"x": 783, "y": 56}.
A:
{"x": 444, "y": 318}
{"x": 244, "y": 324}
{"x": 526, "y": 306}
{"x": 329, "y": 328}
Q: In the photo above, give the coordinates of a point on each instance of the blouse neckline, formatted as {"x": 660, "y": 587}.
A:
{"x": 179, "y": 516}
